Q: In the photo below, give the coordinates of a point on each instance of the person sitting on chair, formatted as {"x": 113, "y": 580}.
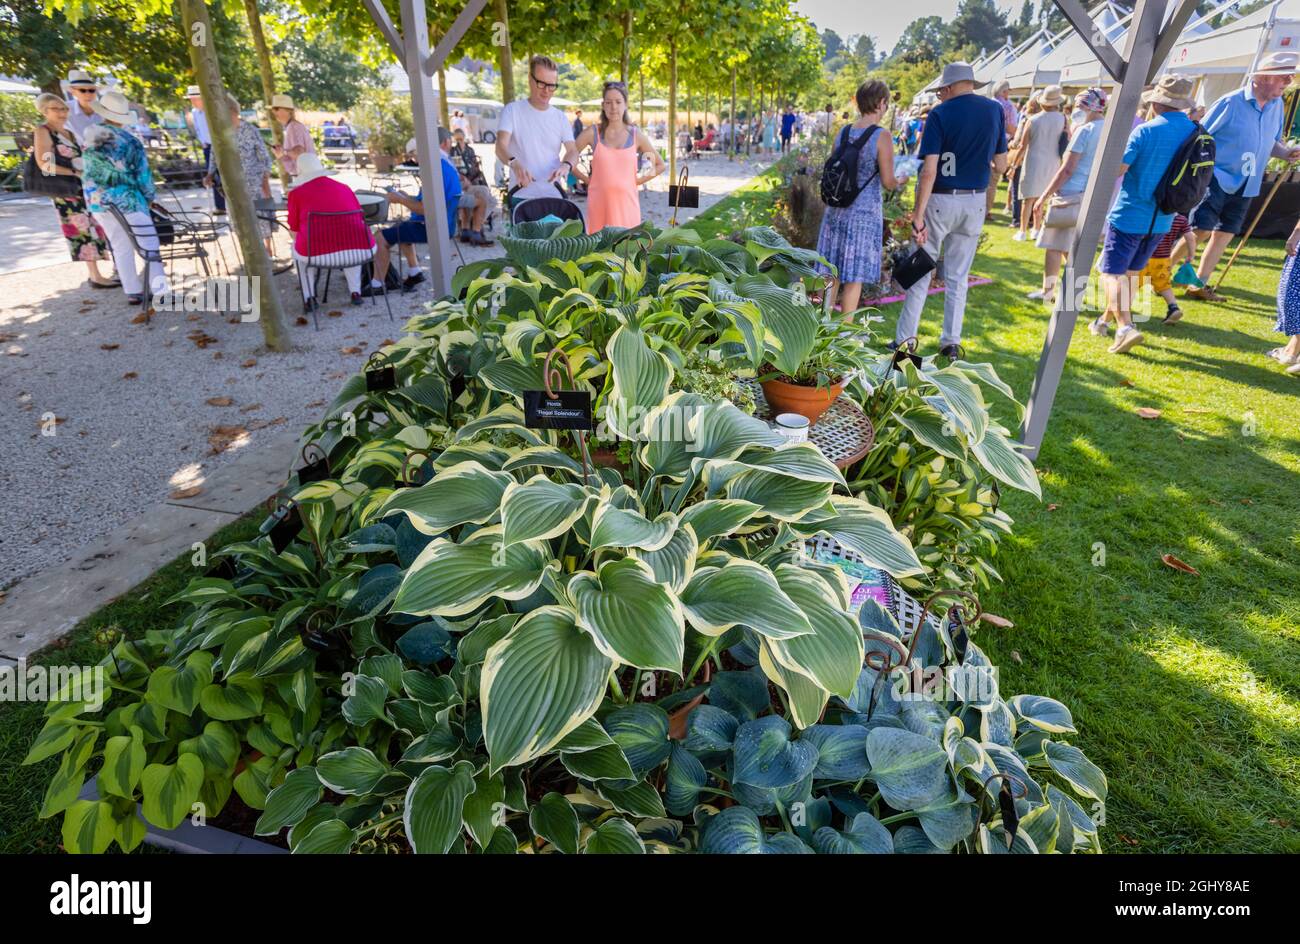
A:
{"x": 476, "y": 200}
{"x": 330, "y": 240}
{"x": 411, "y": 231}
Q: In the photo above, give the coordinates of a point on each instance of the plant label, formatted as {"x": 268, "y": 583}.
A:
{"x": 286, "y": 528}
{"x": 568, "y": 409}
{"x": 380, "y": 378}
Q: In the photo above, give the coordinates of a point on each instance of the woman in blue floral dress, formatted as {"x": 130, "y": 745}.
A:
{"x": 852, "y": 237}
{"x": 1288, "y": 307}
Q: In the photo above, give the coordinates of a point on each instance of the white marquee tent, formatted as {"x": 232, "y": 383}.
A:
{"x": 1221, "y": 58}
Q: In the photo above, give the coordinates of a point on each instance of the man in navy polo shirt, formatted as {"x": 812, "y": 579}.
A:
{"x": 964, "y": 137}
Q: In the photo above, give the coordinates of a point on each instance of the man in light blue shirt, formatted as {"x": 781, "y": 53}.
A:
{"x": 1247, "y": 129}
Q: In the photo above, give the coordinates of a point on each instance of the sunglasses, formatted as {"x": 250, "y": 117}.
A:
{"x": 546, "y": 85}
{"x": 88, "y": 91}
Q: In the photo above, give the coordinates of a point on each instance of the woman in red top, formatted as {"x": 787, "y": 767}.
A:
{"x": 326, "y": 240}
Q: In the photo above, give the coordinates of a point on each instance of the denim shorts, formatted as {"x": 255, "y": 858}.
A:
{"x": 1220, "y": 210}
{"x": 407, "y": 231}
{"x": 1122, "y": 253}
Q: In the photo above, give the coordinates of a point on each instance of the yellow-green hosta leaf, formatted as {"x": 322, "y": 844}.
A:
{"x": 239, "y": 698}
{"x": 742, "y": 592}
{"x": 831, "y": 655}
{"x": 807, "y": 699}
{"x": 66, "y": 783}
{"x": 217, "y": 747}
{"x": 88, "y": 827}
{"x": 631, "y": 616}
{"x": 465, "y": 493}
{"x": 179, "y": 688}
{"x": 449, "y": 579}
{"x": 539, "y": 509}
{"x": 170, "y": 790}
{"x": 617, "y": 527}
{"x": 641, "y": 379}
{"x": 434, "y": 805}
{"x": 539, "y": 683}
{"x": 124, "y": 760}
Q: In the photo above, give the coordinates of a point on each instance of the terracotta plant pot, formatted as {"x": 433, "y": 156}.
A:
{"x": 810, "y": 402}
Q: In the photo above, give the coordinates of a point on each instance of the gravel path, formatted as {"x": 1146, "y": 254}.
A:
{"x": 103, "y": 417}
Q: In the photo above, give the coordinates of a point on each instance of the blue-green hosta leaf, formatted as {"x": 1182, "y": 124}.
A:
{"x": 366, "y": 703}
{"x": 766, "y": 801}
{"x": 353, "y": 770}
{"x": 718, "y": 517}
{"x": 540, "y": 509}
{"x": 710, "y": 729}
{"x": 450, "y": 579}
{"x": 1043, "y": 713}
{"x": 1042, "y": 826}
{"x": 465, "y": 493}
{"x": 743, "y": 695}
{"x": 1003, "y": 460}
{"x": 737, "y": 831}
{"x": 1069, "y": 762}
{"x": 536, "y": 252}
{"x": 641, "y": 378}
{"x": 170, "y": 790}
{"x": 633, "y": 619}
{"x": 614, "y": 837}
{"x": 948, "y": 819}
{"x": 766, "y": 757}
{"x": 865, "y": 835}
{"x": 641, "y": 730}
{"x": 742, "y": 592}
{"x": 673, "y": 565}
{"x": 434, "y": 805}
{"x": 602, "y": 763}
{"x": 539, "y": 683}
{"x": 998, "y": 724}
{"x": 841, "y": 750}
{"x": 1074, "y": 820}
{"x": 555, "y": 820}
{"x": 179, "y": 688}
{"x": 124, "y": 760}
{"x": 862, "y": 527}
{"x": 831, "y": 655}
{"x": 910, "y": 770}
{"x": 89, "y": 827}
{"x": 288, "y": 803}
{"x": 685, "y": 778}
{"x": 912, "y": 840}
{"x": 617, "y": 527}
{"x": 426, "y": 643}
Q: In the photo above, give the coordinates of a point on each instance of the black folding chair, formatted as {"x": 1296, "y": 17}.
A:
{"x": 135, "y": 234}
{"x": 330, "y": 229}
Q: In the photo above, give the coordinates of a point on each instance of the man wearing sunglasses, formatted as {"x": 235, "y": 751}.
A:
{"x": 82, "y": 94}
{"x": 530, "y": 135}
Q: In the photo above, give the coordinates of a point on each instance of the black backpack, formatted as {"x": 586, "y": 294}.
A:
{"x": 1188, "y": 175}
{"x": 840, "y": 172}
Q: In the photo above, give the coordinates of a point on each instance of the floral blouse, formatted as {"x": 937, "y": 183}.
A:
{"x": 253, "y": 156}
{"x": 116, "y": 171}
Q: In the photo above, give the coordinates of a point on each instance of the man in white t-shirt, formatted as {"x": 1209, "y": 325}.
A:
{"x": 530, "y": 134}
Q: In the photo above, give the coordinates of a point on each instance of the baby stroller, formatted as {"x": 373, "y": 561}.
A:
{"x": 535, "y": 208}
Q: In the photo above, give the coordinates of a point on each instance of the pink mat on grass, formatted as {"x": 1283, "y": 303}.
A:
{"x": 970, "y": 281}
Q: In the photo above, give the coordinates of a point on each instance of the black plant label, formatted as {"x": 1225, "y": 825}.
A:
{"x": 1010, "y": 818}
{"x": 903, "y": 354}
{"x": 314, "y": 471}
{"x": 380, "y": 378}
{"x": 223, "y": 570}
{"x": 567, "y": 409}
{"x": 286, "y": 529}
{"x": 960, "y": 638}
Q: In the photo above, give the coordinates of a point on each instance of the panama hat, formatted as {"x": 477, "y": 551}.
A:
{"x": 79, "y": 78}
{"x": 1278, "y": 63}
{"x": 193, "y": 91}
{"x": 282, "y": 101}
{"x": 1171, "y": 89}
{"x": 1051, "y": 95}
{"x": 309, "y": 168}
{"x": 959, "y": 72}
{"x": 113, "y": 106}
{"x": 1003, "y": 86}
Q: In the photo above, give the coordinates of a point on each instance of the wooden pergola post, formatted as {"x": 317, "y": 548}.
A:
{"x": 1147, "y": 45}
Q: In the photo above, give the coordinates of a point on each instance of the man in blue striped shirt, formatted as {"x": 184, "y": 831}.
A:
{"x": 1247, "y": 129}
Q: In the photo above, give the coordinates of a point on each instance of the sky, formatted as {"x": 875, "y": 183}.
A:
{"x": 883, "y": 19}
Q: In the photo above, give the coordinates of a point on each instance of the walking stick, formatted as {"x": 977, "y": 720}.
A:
{"x": 1253, "y": 223}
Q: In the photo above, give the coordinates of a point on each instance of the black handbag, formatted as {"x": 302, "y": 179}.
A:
{"x": 40, "y": 184}
{"x": 909, "y": 267}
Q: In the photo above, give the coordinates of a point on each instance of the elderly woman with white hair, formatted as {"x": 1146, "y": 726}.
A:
{"x": 58, "y": 157}
{"x": 256, "y": 162}
{"x": 116, "y": 175}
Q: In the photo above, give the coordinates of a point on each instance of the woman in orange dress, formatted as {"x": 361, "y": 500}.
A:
{"x": 612, "y": 198}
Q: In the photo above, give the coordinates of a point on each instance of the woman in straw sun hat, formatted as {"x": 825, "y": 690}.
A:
{"x": 116, "y": 174}
{"x": 297, "y": 139}
{"x": 1041, "y": 141}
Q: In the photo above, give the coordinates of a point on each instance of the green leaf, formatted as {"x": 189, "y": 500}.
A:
{"x": 603, "y": 763}
{"x": 641, "y": 730}
{"x": 742, "y": 592}
{"x": 217, "y": 747}
{"x": 538, "y": 684}
{"x": 617, "y": 527}
{"x": 353, "y": 770}
{"x": 288, "y": 803}
{"x": 449, "y": 579}
{"x": 737, "y": 831}
{"x": 641, "y": 378}
{"x": 434, "y": 804}
{"x": 831, "y": 655}
{"x": 632, "y": 618}
{"x": 963, "y": 399}
{"x": 484, "y": 805}
{"x": 555, "y": 820}
{"x": 366, "y": 703}
{"x": 1070, "y": 763}
{"x": 614, "y": 837}
{"x": 673, "y": 564}
{"x": 781, "y": 497}
{"x": 766, "y": 757}
{"x": 65, "y": 785}
{"x": 864, "y": 836}
{"x": 88, "y": 827}
{"x": 641, "y": 800}
{"x": 124, "y": 760}
{"x": 170, "y": 790}
{"x": 862, "y": 527}
{"x": 1004, "y": 461}
{"x": 465, "y": 493}
{"x": 178, "y": 689}
{"x": 239, "y": 698}
{"x": 718, "y": 517}
{"x": 331, "y": 837}
{"x": 540, "y": 509}
{"x": 910, "y": 770}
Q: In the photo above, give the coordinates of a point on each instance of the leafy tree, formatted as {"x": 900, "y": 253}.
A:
{"x": 321, "y": 70}
{"x": 924, "y": 40}
{"x": 979, "y": 24}
{"x": 831, "y": 40}
{"x": 864, "y": 50}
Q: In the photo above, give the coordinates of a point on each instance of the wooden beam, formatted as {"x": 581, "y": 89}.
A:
{"x": 453, "y": 36}
{"x": 1083, "y": 24}
{"x": 1173, "y": 31}
{"x": 394, "y": 38}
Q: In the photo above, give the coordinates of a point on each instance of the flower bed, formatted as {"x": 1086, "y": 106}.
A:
{"x": 463, "y": 634}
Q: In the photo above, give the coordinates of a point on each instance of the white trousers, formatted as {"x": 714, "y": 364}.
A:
{"x": 124, "y": 257}
{"x": 308, "y": 266}
{"x": 953, "y": 222}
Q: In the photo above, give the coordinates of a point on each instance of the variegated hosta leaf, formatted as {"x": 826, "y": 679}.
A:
{"x": 791, "y": 326}
{"x": 630, "y": 615}
{"x": 543, "y": 457}
{"x": 507, "y": 375}
{"x": 1003, "y": 460}
{"x": 722, "y": 431}
{"x": 911, "y": 770}
{"x": 803, "y": 461}
{"x": 507, "y": 416}
{"x": 434, "y": 805}
{"x": 862, "y": 527}
{"x": 964, "y": 399}
{"x": 717, "y": 517}
{"x": 539, "y": 683}
{"x": 521, "y": 338}
{"x": 536, "y": 252}
{"x": 831, "y": 655}
{"x": 781, "y": 497}
{"x": 616, "y": 527}
{"x": 540, "y": 509}
{"x": 641, "y": 377}
{"x": 465, "y": 493}
{"x": 742, "y": 592}
{"x": 450, "y": 579}
{"x": 1070, "y": 763}
{"x": 807, "y": 699}
{"x": 1043, "y": 713}
{"x": 668, "y": 433}
{"x": 674, "y": 563}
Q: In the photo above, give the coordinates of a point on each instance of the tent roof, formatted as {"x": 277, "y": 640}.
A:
{"x": 1231, "y": 48}
{"x": 12, "y": 86}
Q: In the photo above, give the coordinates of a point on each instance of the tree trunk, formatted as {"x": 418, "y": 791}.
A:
{"x": 642, "y": 75}
{"x": 749, "y": 133}
{"x": 672, "y": 110}
{"x": 207, "y": 72}
{"x": 505, "y": 62}
{"x": 444, "y": 114}
{"x": 268, "y": 78}
{"x": 625, "y": 61}
{"x": 690, "y": 109}
{"x": 732, "y": 154}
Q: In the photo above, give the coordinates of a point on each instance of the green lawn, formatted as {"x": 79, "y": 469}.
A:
{"x": 1185, "y": 689}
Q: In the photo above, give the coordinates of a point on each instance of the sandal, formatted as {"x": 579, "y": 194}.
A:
{"x": 93, "y": 284}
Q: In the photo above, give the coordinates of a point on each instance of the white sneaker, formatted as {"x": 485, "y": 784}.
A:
{"x": 1294, "y": 370}
{"x": 1019, "y": 237}
{"x": 1035, "y": 295}
{"x": 1126, "y": 338}
{"x": 1033, "y": 235}
{"x": 1100, "y": 328}
{"x": 1280, "y": 355}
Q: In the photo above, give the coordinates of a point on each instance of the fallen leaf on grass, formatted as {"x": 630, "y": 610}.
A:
{"x": 109, "y": 347}
{"x": 994, "y": 620}
{"x": 1247, "y": 501}
{"x": 186, "y": 492}
{"x": 1147, "y": 413}
{"x": 1280, "y": 823}
{"x": 219, "y": 401}
{"x": 1127, "y": 840}
{"x": 251, "y": 362}
{"x": 1125, "y": 382}
{"x": 1053, "y": 507}
{"x": 1195, "y": 409}
{"x": 1170, "y": 561}
{"x": 1015, "y": 657}
{"x": 130, "y": 375}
